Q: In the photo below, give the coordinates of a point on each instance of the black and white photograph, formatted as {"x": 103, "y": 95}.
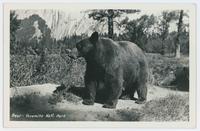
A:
{"x": 100, "y": 64}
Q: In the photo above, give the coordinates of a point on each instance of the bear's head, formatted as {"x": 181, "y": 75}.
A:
{"x": 86, "y": 46}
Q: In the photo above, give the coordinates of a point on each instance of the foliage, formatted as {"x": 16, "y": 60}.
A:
{"x": 164, "y": 71}
{"x": 163, "y": 28}
{"x": 14, "y": 25}
{"x": 166, "y": 18}
{"x": 101, "y": 15}
{"x": 137, "y": 30}
{"x": 108, "y": 16}
{"x": 154, "y": 44}
{"x": 30, "y": 69}
{"x": 149, "y": 32}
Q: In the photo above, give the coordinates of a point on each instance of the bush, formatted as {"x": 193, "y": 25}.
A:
{"x": 33, "y": 69}
{"x": 182, "y": 78}
{"x": 28, "y": 102}
{"x": 164, "y": 71}
{"x": 171, "y": 108}
{"x": 29, "y": 70}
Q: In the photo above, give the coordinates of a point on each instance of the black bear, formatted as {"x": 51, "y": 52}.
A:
{"x": 117, "y": 66}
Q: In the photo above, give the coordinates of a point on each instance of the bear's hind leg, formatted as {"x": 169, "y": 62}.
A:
{"x": 142, "y": 93}
{"x": 132, "y": 94}
{"x": 142, "y": 83}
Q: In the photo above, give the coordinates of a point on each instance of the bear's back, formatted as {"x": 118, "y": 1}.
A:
{"x": 132, "y": 49}
{"x": 120, "y": 44}
{"x": 123, "y": 48}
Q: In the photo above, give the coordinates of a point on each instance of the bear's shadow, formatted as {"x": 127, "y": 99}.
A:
{"x": 101, "y": 95}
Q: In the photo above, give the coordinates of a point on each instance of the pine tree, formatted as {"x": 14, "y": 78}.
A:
{"x": 109, "y": 15}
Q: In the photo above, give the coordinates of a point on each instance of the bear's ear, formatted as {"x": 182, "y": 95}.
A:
{"x": 94, "y": 37}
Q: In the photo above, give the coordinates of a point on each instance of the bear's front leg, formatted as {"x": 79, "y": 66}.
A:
{"x": 91, "y": 93}
{"x": 115, "y": 84}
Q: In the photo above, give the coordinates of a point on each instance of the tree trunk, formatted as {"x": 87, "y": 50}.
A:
{"x": 110, "y": 23}
{"x": 178, "y": 51}
{"x": 162, "y": 48}
{"x": 180, "y": 24}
